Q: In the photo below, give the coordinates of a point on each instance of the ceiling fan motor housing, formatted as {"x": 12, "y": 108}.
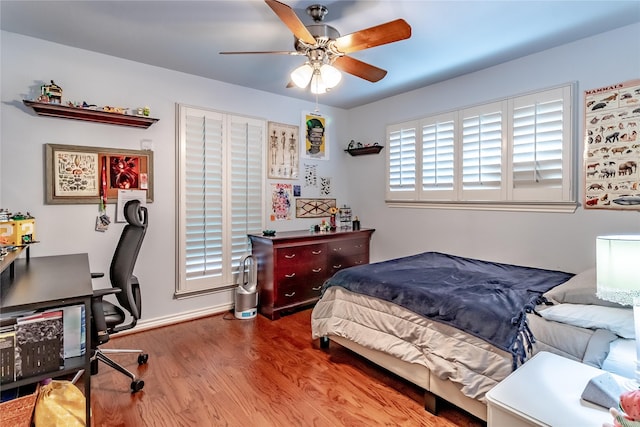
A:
{"x": 321, "y": 32}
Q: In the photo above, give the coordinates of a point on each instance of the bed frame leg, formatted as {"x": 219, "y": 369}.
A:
{"x": 324, "y": 342}
{"x": 430, "y": 402}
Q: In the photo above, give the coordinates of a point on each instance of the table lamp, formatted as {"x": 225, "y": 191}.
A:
{"x": 618, "y": 276}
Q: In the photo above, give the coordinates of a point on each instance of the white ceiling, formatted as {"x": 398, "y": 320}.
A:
{"x": 449, "y": 38}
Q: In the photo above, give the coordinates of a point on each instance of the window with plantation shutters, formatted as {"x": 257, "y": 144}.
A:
{"x": 220, "y": 196}
{"x": 539, "y": 154}
{"x": 512, "y": 154}
{"x": 401, "y": 161}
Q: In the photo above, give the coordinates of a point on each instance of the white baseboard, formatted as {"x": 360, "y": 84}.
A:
{"x": 146, "y": 324}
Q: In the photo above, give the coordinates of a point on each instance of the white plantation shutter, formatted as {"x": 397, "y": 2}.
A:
{"x": 220, "y": 195}
{"x": 482, "y": 161}
{"x": 540, "y": 135}
{"x": 401, "y": 162}
{"x": 438, "y": 156}
{"x": 515, "y": 153}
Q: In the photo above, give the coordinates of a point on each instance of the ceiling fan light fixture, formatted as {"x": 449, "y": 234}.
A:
{"x": 302, "y": 75}
{"x": 331, "y": 76}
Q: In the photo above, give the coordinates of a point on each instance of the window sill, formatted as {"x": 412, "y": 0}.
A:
{"x": 555, "y": 207}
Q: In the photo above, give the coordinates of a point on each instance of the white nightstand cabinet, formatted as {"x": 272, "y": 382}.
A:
{"x": 545, "y": 391}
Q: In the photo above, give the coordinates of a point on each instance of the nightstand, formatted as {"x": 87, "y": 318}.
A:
{"x": 546, "y": 391}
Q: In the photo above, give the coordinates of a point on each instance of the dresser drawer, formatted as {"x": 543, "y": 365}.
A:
{"x": 300, "y": 288}
{"x": 339, "y": 262}
{"x": 348, "y": 247}
{"x": 297, "y": 255}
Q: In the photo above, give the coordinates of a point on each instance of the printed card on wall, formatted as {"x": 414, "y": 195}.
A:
{"x": 281, "y": 197}
{"x": 612, "y": 147}
{"x": 315, "y": 141}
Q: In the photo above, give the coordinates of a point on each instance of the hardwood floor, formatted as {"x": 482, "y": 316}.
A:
{"x": 219, "y": 371}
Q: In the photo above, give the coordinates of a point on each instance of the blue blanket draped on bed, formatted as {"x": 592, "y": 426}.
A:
{"x": 485, "y": 299}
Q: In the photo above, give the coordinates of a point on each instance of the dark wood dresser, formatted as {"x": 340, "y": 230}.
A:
{"x": 293, "y": 265}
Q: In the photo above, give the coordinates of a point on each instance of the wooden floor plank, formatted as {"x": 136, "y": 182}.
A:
{"x": 220, "y": 371}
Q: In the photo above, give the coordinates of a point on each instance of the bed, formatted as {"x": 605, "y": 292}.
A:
{"x": 434, "y": 338}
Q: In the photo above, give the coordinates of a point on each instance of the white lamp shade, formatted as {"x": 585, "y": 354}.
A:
{"x": 302, "y": 75}
{"x": 317, "y": 84}
{"x": 330, "y": 75}
{"x": 617, "y": 268}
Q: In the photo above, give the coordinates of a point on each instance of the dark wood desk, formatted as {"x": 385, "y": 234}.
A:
{"x": 51, "y": 282}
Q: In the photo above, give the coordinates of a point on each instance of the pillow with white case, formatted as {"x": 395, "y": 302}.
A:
{"x": 617, "y": 320}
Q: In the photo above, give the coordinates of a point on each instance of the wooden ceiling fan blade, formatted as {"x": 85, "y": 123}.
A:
{"x": 277, "y": 52}
{"x": 359, "y": 69}
{"x": 390, "y": 32}
{"x": 291, "y": 20}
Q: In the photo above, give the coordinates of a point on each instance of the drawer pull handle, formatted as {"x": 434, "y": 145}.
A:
{"x": 337, "y": 266}
{"x": 358, "y": 262}
{"x": 359, "y": 246}
{"x": 316, "y": 252}
{"x": 290, "y": 295}
{"x": 289, "y": 276}
{"x": 290, "y": 256}
{"x": 317, "y": 288}
{"x": 317, "y": 270}
{"x": 337, "y": 249}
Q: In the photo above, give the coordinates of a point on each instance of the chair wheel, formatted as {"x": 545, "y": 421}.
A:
{"x": 137, "y": 385}
{"x": 143, "y": 358}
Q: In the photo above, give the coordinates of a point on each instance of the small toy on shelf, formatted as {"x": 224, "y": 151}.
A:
{"x": 51, "y": 93}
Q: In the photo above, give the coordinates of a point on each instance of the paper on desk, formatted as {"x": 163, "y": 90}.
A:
{"x": 124, "y": 196}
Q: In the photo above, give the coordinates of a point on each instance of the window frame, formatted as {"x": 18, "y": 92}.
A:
{"x": 506, "y": 197}
{"x": 189, "y": 286}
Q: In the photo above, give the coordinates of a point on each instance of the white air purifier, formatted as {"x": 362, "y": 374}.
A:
{"x": 246, "y": 298}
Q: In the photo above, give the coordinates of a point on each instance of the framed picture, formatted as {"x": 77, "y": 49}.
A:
{"x": 315, "y": 144}
{"x": 314, "y": 208}
{"x": 284, "y": 145}
{"x": 74, "y": 174}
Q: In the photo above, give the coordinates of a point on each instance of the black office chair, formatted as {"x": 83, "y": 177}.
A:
{"x": 107, "y": 318}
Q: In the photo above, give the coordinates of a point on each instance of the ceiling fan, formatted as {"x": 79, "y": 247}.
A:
{"x": 326, "y": 50}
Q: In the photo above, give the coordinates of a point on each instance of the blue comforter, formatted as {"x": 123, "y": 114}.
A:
{"x": 485, "y": 299}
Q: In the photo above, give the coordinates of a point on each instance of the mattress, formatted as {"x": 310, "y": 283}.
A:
{"x": 470, "y": 363}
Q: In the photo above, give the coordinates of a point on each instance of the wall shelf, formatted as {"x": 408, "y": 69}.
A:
{"x": 79, "y": 113}
{"x": 372, "y": 149}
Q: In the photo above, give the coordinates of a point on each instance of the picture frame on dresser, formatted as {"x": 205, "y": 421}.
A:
{"x": 77, "y": 174}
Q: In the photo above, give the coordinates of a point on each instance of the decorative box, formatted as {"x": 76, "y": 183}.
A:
{"x": 17, "y": 232}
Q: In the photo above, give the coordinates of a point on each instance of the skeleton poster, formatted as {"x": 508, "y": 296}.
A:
{"x": 284, "y": 145}
{"x": 612, "y": 147}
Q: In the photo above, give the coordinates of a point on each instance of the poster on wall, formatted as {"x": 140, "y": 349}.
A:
{"x": 612, "y": 147}
{"x": 281, "y": 199}
{"x": 315, "y": 145}
{"x": 284, "y": 145}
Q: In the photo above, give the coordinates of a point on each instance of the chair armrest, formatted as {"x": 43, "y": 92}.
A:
{"x": 96, "y": 275}
{"x": 99, "y": 293}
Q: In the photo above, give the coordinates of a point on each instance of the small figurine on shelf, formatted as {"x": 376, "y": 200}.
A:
{"x": 51, "y": 93}
{"x": 332, "y": 219}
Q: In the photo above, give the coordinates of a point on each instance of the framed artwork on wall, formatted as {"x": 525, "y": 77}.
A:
{"x": 612, "y": 147}
{"x": 315, "y": 143}
{"x": 314, "y": 208}
{"x": 284, "y": 145}
{"x": 76, "y": 174}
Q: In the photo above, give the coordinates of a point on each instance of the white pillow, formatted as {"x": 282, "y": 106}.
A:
{"x": 617, "y": 320}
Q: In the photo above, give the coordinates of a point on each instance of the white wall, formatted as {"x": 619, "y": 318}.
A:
{"x": 549, "y": 240}
{"x": 86, "y": 76}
